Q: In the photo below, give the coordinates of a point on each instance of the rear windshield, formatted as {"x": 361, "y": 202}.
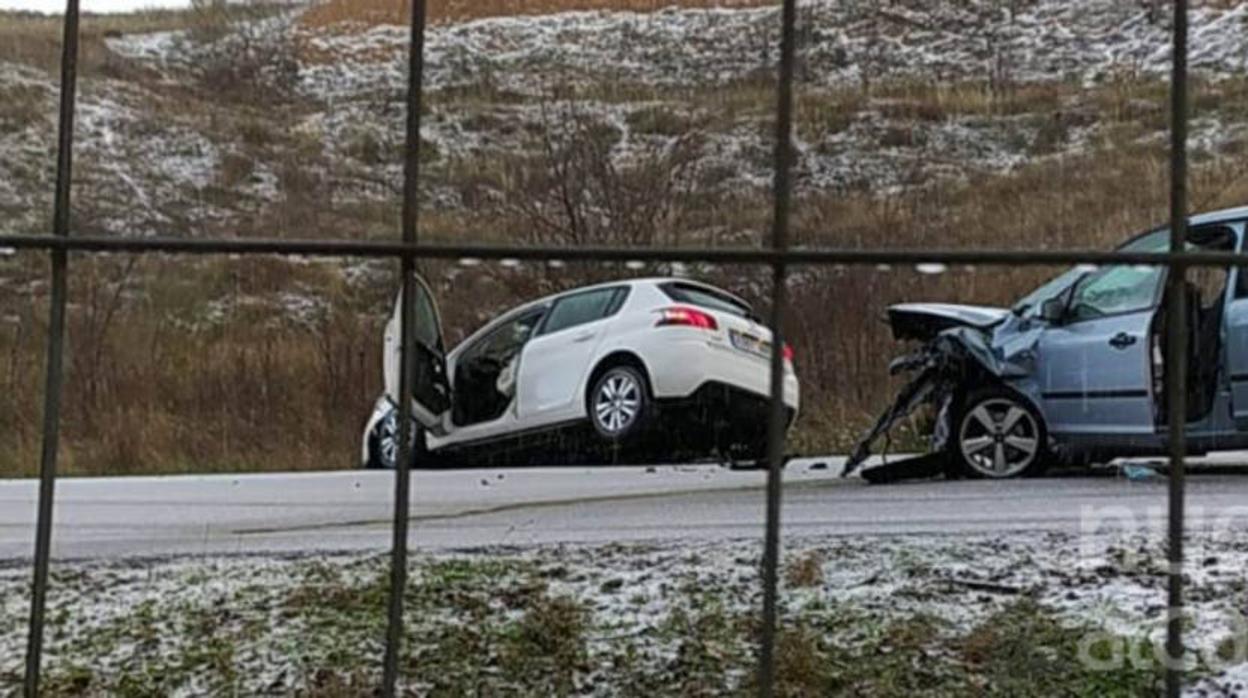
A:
{"x": 706, "y": 298}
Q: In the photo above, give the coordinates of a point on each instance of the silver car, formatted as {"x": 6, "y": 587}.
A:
{"x": 1074, "y": 371}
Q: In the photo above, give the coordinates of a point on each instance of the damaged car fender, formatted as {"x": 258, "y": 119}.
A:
{"x": 1075, "y": 370}
{"x": 960, "y": 354}
{"x": 923, "y": 321}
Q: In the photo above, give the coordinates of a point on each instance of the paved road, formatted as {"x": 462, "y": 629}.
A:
{"x": 351, "y": 510}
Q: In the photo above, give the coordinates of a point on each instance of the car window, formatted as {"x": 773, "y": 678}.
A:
{"x": 581, "y": 308}
{"x": 1029, "y": 305}
{"x": 427, "y": 330}
{"x": 706, "y": 298}
{"x": 1116, "y": 289}
{"x": 1128, "y": 288}
{"x": 1155, "y": 241}
{"x": 505, "y": 341}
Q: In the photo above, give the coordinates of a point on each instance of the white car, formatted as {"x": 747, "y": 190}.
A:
{"x": 659, "y": 369}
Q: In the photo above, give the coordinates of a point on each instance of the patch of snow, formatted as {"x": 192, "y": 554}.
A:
{"x": 1230, "y": 683}
{"x": 156, "y": 47}
{"x": 841, "y": 43}
{"x": 144, "y": 173}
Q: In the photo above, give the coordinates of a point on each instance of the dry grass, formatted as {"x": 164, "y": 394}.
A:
{"x": 805, "y": 571}
{"x": 372, "y": 12}
{"x": 96, "y": 24}
{"x": 259, "y": 392}
{"x": 145, "y": 392}
{"x": 35, "y": 39}
{"x": 21, "y": 106}
{"x": 35, "y": 43}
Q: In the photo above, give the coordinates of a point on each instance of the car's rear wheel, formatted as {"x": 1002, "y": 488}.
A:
{"x": 619, "y": 403}
{"x": 999, "y": 435}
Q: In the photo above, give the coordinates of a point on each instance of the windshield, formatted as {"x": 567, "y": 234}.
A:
{"x": 1029, "y": 305}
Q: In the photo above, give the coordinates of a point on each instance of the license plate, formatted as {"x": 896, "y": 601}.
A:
{"x": 750, "y": 343}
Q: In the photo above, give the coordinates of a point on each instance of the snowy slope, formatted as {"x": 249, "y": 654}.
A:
{"x": 151, "y": 162}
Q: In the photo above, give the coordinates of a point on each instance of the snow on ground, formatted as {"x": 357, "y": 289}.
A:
{"x": 134, "y": 160}
{"x": 158, "y": 47}
{"x": 156, "y": 154}
{"x": 356, "y": 75}
{"x": 149, "y": 167}
{"x": 841, "y": 43}
{"x": 99, "y": 611}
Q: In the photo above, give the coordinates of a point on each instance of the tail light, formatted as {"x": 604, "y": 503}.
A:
{"x": 680, "y": 316}
{"x": 788, "y": 352}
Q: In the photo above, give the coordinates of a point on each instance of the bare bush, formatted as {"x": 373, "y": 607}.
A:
{"x": 588, "y": 187}
{"x": 805, "y": 571}
{"x": 243, "y": 51}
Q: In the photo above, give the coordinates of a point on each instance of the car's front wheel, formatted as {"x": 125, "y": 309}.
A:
{"x": 383, "y": 444}
{"x": 618, "y": 403}
{"x": 999, "y": 435}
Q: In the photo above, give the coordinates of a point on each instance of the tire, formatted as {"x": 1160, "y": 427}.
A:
{"x": 618, "y": 404}
{"x": 999, "y": 435}
{"x": 384, "y": 440}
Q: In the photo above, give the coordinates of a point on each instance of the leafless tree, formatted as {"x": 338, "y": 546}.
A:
{"x": 585, "y": 188}
{"x": 104, "y": 290}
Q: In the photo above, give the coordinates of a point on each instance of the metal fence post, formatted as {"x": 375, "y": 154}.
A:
{"x": 56, "y": 350}
{"x": 777, "y": 419}
{"x": 407, "y": 366}
{"x": 1176, "y": 349}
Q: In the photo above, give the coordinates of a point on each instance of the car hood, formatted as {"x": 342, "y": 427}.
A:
{"x": 923, "y": 321}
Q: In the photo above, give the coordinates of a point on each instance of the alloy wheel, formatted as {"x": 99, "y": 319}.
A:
{"x": 999, "y": 438}
{"x": 617, "y": 403}
{"x": 388, "y": 440}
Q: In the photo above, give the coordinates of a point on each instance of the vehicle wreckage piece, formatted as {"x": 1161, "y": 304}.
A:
{"x": 957, "y": 355}
{"x": 926, "y": 466}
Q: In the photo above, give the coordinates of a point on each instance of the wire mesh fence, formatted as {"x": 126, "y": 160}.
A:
{"x": 779, "y": 255}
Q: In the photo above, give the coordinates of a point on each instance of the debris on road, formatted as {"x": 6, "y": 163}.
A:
{"x": 930, "y": 465}
{"x": 1138, "y": 472}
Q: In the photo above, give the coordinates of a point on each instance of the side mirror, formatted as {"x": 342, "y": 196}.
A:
{"x": 1053, "y": 311}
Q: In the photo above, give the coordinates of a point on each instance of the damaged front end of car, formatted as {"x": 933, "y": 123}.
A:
{"x": 962, "y": 348}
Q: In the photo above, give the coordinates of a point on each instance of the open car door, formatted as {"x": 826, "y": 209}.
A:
{"x": 431, "y": 393}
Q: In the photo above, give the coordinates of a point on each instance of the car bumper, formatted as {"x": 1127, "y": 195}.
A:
{"x": 697, "y": 362}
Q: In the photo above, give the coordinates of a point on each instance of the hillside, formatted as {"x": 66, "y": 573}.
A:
{"x": 374, "y": 12}
{"x": 1019, "y": 124}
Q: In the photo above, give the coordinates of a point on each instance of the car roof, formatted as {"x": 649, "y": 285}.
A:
{"x": 1223, "y": 216}
{"x": 537, "y": 302}
{"x": 644, "y": 281}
